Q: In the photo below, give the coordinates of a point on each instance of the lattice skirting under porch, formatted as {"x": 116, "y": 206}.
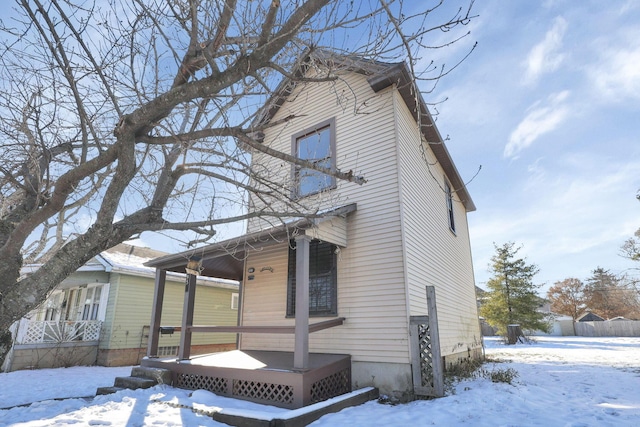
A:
{"x": 284, "y": 395}
{"x": 331, "y": 386}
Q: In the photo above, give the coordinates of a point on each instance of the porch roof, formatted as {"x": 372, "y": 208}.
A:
{"x": 225, "y": 259}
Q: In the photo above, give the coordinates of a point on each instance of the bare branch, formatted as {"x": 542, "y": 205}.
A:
{"x": 122, "y": 117}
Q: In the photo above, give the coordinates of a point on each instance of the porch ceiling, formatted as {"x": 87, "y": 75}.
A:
{"x": 225, "y": 260}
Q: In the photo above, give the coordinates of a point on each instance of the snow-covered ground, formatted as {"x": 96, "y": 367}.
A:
{"x": 562, "y": 381}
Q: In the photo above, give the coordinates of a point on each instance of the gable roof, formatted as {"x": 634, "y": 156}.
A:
{"x": 128, "y": 258}
{"x": 380, "y": 76}
{"x": 589, "y": 317}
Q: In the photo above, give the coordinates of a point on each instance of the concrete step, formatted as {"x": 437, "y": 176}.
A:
{"x": 134, "y": 382}
{"x": 108, "y": 390}
{"x": 159, "y": 375}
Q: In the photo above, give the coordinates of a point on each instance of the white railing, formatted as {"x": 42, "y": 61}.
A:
{"x": 31, "y": 332}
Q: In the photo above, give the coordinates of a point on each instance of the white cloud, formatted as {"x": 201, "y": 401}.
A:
{"x": 570, "y": 220}
{"x": 617, "y": 74}
{"x": 628, "y": 7}
{"x": 546, "y": 56}
{"x": 540, "y": 120}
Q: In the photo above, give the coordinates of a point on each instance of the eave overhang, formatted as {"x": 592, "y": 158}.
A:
{"x": 225, "y": 260}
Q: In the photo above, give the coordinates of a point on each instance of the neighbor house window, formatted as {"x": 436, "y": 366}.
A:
{"x": 323, "y": 279}
{"x": 317, "y": 145}
{"x": 235, "y": 298}
{"x": 449, "y": 195}
{"x": 91, "y": 303}
{"x": 85, "y": 302}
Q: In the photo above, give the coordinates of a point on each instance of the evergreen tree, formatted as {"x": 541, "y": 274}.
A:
{"x": 512, "y": 297}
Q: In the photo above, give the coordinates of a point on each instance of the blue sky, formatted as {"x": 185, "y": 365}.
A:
{"x": 549, "y": 105}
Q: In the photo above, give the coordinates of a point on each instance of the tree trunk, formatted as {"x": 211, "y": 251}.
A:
{"x": 5, "y": 345}
{"x": 514, "y": 334}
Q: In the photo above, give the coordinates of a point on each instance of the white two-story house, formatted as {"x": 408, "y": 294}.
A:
{"x": 361, "y": 271}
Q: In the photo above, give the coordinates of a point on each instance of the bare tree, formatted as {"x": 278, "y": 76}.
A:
{"x": 631, "y": 247}
{"x": 611, "y": 296}
{"x": 125, "y": 116}
{"x": 567, "y": 297}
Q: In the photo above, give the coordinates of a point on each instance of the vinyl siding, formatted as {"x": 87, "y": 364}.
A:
{"x": 333, "y": 230}
{"x": 80, "y": 278}
{"x": 435, "y": 255}
{"x": 371, "y": 291}
{"x": 107, "y": 333}
{"x": 129, "y": 310}
{"x": 265, "y": 298}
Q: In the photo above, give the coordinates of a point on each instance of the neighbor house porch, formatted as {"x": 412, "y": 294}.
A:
{"x": 52, "y": 344}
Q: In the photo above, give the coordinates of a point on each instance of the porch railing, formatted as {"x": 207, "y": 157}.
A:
{"x": 314, "y": 327}
{"x": 32, "y": 332}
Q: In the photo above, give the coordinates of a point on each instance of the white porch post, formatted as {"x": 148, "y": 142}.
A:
{"x": 301, "y": 351}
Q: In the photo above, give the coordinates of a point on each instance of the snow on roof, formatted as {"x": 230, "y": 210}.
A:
{"x": 127, "y": 256}
{"x": 130, "y": 259}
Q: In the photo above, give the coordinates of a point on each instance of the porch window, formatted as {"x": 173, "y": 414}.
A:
{"x": 85, "y": 302}
{"x": 52, "y": 307}
{"x": 316, "y": 145}
{"x": 449, "y": 196}
{"x": 323, "y": 279}
{"x": 92, "y": 303}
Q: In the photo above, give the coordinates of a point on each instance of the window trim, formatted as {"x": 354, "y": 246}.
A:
{"x": 449, "y": 202}
{"x": 295, "y": 169}
{"x": 235, "y": 300}
{"x": 291, "y": 266}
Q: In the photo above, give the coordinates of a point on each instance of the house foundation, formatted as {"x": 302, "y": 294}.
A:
{"x": 52, "y": 355}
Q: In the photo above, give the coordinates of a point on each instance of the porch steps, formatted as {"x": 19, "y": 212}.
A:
{"x": 159, "y": 375}
{"x": 134, "y": 383}
{"x": 141, "y": 377}
{"x": 107, "y": 390}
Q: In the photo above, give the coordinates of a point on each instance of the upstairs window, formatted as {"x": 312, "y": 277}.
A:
{"x": 316, "y": 145}
{"x": 323, "y": 279}
{"x": 449, "y": 196}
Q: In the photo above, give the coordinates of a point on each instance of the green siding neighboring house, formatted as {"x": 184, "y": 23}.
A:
{"x": 101, "y": 313}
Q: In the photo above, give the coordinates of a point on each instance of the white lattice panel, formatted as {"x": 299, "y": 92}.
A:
{"x": 92, "y": 330}
{"x": 34, "y": 333}
{"x": 67, "y": 331}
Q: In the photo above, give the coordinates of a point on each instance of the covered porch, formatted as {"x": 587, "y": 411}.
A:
{"x": 266, "y": 377}
{"x": 289, "y": 379}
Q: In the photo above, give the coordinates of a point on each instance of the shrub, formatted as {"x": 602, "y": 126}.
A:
{"x": 471, "y": 369}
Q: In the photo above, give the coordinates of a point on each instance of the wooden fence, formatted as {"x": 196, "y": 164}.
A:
{"x": 610, "y": 328}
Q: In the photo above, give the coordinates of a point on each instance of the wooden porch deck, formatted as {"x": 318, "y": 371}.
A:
{"x": 266, "y": 377}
